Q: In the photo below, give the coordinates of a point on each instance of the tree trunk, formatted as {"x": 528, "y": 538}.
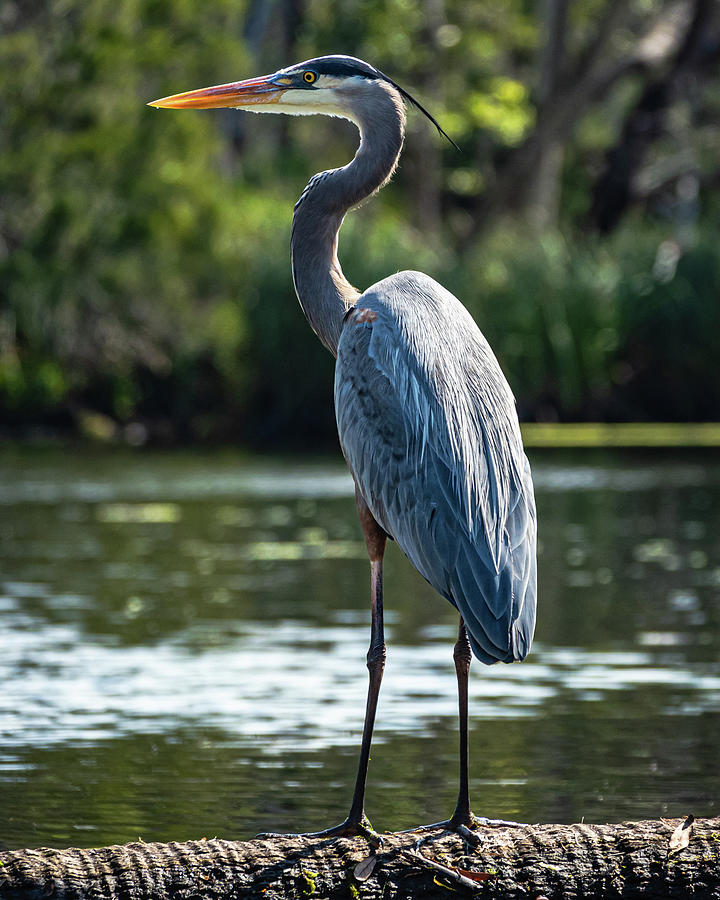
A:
{"x": 530, "y": 861}
{"x": 542, "y": 201}
{"x": 576, "y": 87}
{"x": 646, "y": 121}
{"x": 423, "y": 157}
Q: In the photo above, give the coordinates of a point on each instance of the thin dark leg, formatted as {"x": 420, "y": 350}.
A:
{"x": 357, "y": 822}
{"x": 376, "y": 666}
{"x": 463, "y": 656}
{"x": 375, "y": 539}
{"x": 463, "y": 819}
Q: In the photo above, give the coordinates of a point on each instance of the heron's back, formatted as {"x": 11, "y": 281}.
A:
{"x": 428, "y": 426}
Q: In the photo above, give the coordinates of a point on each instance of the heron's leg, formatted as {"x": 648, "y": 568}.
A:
{"x": 462, "y": 655}
{"x": 375, "y": 540}
{"x": 463, "y": 819}
{"x": 357, "y": 822}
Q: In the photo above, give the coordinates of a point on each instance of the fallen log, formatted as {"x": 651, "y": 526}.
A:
{"x": 633, "y": 859}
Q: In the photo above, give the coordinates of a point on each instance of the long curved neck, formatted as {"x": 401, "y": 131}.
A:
{"x": 322, "y": 289}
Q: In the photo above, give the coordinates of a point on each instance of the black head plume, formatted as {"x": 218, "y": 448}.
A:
{"x": 418, "y": 105}
{"x": 348, "y": 66}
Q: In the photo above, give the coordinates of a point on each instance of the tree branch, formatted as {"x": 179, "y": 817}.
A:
{"x": 645, "y": 123}
{"x": 591, "y": 79}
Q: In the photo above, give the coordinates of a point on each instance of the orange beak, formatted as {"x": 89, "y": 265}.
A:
{"x": 253, "y": 92}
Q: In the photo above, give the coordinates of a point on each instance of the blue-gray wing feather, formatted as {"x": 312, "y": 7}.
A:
{"x": 428, "y": 426}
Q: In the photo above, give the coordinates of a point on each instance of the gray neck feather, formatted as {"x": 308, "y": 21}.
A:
{"x": 322, "y": 289}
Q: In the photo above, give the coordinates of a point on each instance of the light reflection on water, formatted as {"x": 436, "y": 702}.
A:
{"x": 304, "y": 684}
{"x": 165, "y": 615}
{"x": 225, "y": 477}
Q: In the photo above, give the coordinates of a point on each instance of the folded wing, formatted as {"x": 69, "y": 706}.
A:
{"x": 428, "y": 426}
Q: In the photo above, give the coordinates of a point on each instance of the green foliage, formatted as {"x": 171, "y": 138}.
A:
{"x": 144, "y": 269}
{"x": 119, "y": 234}
{"x": 504, "y": 110}
{"x": 669, "y": 327}
{"x": 589, "y": 328}
{"x": 547, "y": 307}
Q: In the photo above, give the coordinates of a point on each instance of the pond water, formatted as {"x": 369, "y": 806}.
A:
{"x": 183, "y": 642}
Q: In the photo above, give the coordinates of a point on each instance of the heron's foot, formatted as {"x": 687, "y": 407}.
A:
{"x": 349, "y": 828}
{"x": 460, "y": 828}
{"x": 473, "y": 822}
{"x": 467, "y": 826}
{"x": 433, "y": 826}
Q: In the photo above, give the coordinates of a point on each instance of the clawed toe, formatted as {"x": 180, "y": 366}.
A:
{"x": 466, "y": 826}
{"x": 348, "y": 828}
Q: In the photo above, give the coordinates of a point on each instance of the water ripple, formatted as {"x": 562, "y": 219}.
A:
{"x": 289, "y": 682}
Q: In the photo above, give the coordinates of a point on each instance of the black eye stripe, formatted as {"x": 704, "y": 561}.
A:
{"x": 341, "y": 66}
{"x": 349, "y": 66}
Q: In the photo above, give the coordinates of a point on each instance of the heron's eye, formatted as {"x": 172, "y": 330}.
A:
{"x": 309, "y": 77}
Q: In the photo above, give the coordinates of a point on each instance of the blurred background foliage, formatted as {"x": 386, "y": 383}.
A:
{"x": 145, "y": 287}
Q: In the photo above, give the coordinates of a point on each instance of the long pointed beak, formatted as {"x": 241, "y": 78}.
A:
{"x": 253, "y": 92}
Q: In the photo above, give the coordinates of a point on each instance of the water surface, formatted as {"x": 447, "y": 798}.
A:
{"x": 183, "y": 643}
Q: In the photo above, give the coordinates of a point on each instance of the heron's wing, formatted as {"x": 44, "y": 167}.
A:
{"x": 428, "y": 427}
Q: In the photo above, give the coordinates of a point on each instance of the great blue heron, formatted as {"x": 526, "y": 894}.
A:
{"x": 426, "y": 419}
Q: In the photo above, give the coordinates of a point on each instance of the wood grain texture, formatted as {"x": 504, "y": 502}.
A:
{"x": 553, "y": 861}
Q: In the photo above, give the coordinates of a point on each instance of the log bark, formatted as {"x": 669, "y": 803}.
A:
{"x": 529, "y": 861}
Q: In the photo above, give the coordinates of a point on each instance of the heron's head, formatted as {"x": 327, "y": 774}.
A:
{"x": 328, "y": 85}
